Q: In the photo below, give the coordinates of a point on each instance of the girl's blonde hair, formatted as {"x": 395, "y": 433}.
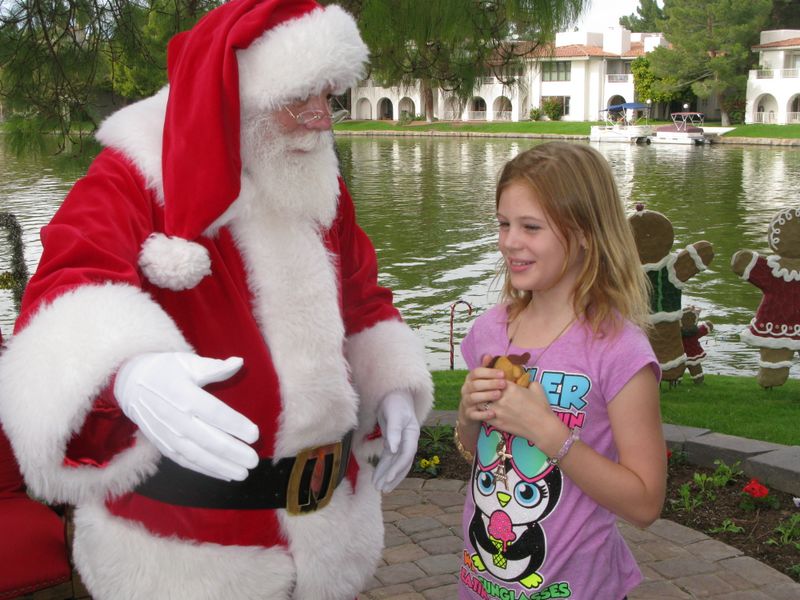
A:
{"x": 577, "y": 191}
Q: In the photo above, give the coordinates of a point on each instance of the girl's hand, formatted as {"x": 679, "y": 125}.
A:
{"x": 482, "y": 387}
{"x": 525, "y": 412}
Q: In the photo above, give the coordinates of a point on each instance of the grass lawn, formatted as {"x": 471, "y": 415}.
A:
{"x": 565, "y": 128}
{"x": 766, "y": 131}
{"x": 725, "y": 404}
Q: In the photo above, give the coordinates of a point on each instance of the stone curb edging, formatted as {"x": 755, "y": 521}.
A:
{"x": 775, "y": 465}
{"x": 712, "y": 139}
{"x": 431, "y": 133}
{"x": 755, "y": 141}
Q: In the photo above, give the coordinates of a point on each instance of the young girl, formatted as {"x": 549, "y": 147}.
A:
{"x": 576, "y": 442}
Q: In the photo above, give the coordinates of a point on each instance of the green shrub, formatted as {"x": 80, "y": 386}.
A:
{"x": 536, "y": 113}
{"x": 552, "y": 108}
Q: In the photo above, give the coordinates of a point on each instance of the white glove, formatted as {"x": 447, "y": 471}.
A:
{"x": 400, "y": 429}
{"x": 162, "y": 393}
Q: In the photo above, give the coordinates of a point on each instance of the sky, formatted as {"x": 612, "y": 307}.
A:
{"x": 606, "y": 13}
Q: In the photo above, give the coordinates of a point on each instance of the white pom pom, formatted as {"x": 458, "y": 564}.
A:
{"x": 173, "y": 263}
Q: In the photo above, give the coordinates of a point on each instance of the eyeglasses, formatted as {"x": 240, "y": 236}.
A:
{"x": 309, "y": 116}
{"x": 528, "y": 461}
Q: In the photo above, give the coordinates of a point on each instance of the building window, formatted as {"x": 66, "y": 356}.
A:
{"x": 556, "y": 71}
{"x": 555, "y": 107}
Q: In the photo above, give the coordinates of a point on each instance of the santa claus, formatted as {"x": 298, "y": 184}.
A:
{"x": 204, "y": 353}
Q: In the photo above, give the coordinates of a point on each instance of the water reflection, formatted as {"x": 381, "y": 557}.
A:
{"x": 445, "y": 250}
{"x": 428, "y": 204}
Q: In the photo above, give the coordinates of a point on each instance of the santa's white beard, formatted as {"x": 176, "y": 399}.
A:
{"x": 294, "y": 175}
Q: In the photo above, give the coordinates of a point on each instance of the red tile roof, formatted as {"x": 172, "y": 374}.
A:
{"x": 780, "y": 44}
{"x": 575, "y": 51}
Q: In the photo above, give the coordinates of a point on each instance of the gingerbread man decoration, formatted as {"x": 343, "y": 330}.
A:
{"x": 668, "y": 272}
{"x": 692, "y": 329}
{"x": 775, "y": 329}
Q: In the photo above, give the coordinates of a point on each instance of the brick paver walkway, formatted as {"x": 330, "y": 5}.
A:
{"x": 423, "y": 554}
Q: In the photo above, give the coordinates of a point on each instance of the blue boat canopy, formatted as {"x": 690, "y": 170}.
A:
{"x": 627, "y": 105}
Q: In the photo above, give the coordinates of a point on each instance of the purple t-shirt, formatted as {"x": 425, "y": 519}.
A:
{"x": 537, "y": 535}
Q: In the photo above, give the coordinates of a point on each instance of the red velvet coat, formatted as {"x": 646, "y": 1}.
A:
{"x": 305, "y": 382}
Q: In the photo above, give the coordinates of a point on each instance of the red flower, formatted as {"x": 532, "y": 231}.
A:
{"x": 669, "y": 453}
{"x": 755, "y": 489}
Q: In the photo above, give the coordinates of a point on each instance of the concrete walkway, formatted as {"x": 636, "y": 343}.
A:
{"x": 424, "y": 543}
{"x": 423, "y": 554}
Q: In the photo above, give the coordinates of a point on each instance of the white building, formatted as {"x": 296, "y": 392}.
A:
{"x": 773, "y": 90}
{"x": 585, "y": 71}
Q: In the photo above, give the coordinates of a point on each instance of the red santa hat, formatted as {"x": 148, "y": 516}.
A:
{"x": 258, "y": 54}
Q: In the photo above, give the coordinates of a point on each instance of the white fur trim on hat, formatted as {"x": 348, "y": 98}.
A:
{"x": 173, "y": 263}
{"x": 302, "y": 57}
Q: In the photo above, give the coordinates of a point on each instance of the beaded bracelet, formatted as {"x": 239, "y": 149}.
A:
{"x": 574, "y": 436}
{"x": 468, "y": 456}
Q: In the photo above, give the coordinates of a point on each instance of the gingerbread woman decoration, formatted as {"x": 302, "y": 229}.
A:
{"x": 692, "y": 329}
{"x": 668, "y": 272}
{"x": 775, "y": 329}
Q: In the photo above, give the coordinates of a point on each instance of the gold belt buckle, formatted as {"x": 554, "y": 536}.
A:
{"x": 316, "y": 499}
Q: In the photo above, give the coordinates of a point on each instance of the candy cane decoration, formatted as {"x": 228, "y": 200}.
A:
{"x": 452, "y": 317}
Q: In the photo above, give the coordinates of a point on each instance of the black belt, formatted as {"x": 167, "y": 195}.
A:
{"x": 296, "y": 483}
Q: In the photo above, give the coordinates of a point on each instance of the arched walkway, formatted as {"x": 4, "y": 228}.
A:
{"x": 766, "y": 109}
{"x": 501, "y": 109}
{"x": 363, "y": 109}
{"x": 793, "y": 112}
{"x": 477, "y": 109}
{"x": 385, "y": 109}
{"x": 406, "y": 105}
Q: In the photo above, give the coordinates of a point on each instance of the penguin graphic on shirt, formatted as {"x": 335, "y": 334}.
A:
{"x": 514, "y": 489}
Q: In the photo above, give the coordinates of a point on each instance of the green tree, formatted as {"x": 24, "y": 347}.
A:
{"x": 450, "y": 44}
{"x": 139, "y": 47}
{"x": 649, "y": 87}
{"x": 649, "y": 17}
{"x": 785, "y": 14}
{"x": 711, "y": 44}
{"x": 60, "y": 58}
{"x": 50, "y": 59}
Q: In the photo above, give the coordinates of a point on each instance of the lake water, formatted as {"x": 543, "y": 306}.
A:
{"x": 428, "y": 205}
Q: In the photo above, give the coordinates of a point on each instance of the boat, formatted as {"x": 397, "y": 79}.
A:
{"x": 686, "y": 128}
{"x": 625, "y": 122}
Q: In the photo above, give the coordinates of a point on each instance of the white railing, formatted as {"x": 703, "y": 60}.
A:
{"x": 765, "y": 118}
{"x": 502, "y": 115}
{"x": 476, "y": 115}
{"x": 775, "y": 74}
{"x": 618, "y": 77}
{"x": 793, "y": 117}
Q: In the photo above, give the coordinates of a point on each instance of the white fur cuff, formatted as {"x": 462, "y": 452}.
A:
{"x": 53, "y": 370}
{"x": 386, "y": 357}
